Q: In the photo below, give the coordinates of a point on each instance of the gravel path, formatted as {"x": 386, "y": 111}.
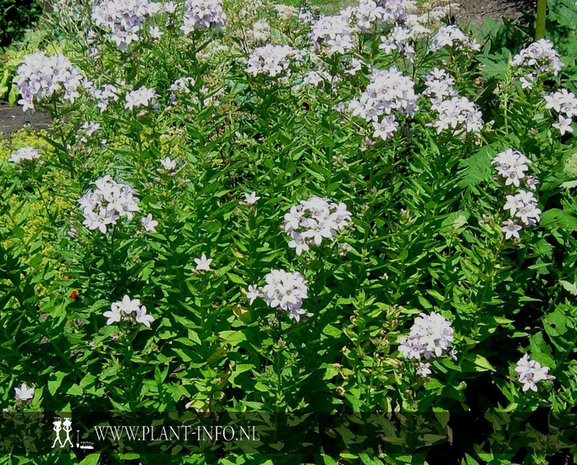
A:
{"x": 475, "y": 12}
{"x": 13, "y": 118}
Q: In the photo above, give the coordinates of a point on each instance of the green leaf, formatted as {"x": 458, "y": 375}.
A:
{"x": 556, "y": 218}
{"x": 55, "y": 381}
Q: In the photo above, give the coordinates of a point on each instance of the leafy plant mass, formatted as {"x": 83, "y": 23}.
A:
{"x": 362, "y": 223}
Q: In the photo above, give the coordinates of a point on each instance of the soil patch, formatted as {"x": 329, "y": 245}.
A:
{"x": 13, "y": 118}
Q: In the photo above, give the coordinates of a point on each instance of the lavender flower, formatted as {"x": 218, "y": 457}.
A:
{"x": 430, "y": 336}
{"x": 271, "y": 60}
{"x": 565, "y": 104}
{"x": 142, "y": 97}
{"x": 531, "y": 372}
{"x": 313, "y": 220}
{"x": 452, "y": 36}
{"x": 128, "y": 309}
{"x": 512, "y": 166}
{"x": 537, "y": 59}
{"x": 284, "y": 290}
{"x": 332, "y": 34}
{"x": 123, "y": 19}
{"x": 40, "y": 77}
{"x": 200, "y": 15}
{"x": 107, "y": 203}
{"x": 24, "y": 154}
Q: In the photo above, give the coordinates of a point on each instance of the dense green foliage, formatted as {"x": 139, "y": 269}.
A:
{"x": 16, "y": 17}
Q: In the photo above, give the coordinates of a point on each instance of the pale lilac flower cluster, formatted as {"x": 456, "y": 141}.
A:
{"x": 451, "y": 36}
{"x": 284, "y": 290}
{"x": 313, "y": 220}
{"x": 439, "y": 85}
{"x": 107, "y": 203}
{"x": 169, "y": 165}
{"x": 128, "y": 309}
{"x": 431, "y": 336}
{"x": 512, "y": 166}
{"x": 332, "y": 34}
{"x": 458, "y": 113}
{"x": 272, "y": 60}
{"x": 40, "y": 77}
{"x": 261, "y": 31}
{"x": 181, "y": 86}
{"x": 565, "y": 104}
{"x": 107, "y": 94}
{"x": 286, "y": 12}
{"x": 123, "y": 19}
{"x": 200, "y": 15}
{"x": 143, "y": 97}
{"x": 389, "y": 92}
{"x": 24, "y": 154}
{"x": 371, "y": 15}
{"x": 88, "y": 129}
{"x": 353, "y": 66}
{"x": 398, "y": 39}
{"x": 531, "y": 372}
{"x": 538, "y": 58}
{"x": 522, "y": 207}
{"x": 455, "y": 112}
{"x": 148, "y": 223}
{"x": 314, "y": 78}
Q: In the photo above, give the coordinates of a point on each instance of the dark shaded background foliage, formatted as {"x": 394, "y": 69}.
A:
{"x": 15, "y": 17}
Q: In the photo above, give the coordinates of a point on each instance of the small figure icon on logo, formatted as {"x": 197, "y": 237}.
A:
{"x": 57, "y": 427}
{"x": 62, "y": 425}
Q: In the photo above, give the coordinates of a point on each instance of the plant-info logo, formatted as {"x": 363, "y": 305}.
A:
{"x": 62, "y": 428}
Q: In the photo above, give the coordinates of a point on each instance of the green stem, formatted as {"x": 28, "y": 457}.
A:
{"x": 541, "y": 17}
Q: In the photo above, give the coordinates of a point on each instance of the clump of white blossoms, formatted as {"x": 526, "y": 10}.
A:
{"x": 200, "y": 15}
{"x": 24, "y": 393}
{"x": 143, "y": 97}
{"x": 169, "y": 165}
{"x": 372, "y": 15}
{"x": 537, "y": 59}
{"x": 458, "y": 113}
{"x": 182, "y": 86}
{"x": 512, "y": 166}
{"x": 272, "y": 60}
{"x": 313, "y": 220}
{"x": 531, "y": 372}
{"x": 431, "y": 336}
{"x": 123, "y": 19}
{"x": 40, "y": 77}
{"x": 451, "y": 36}
{"x": 149, "y": 223}
{"x": 107, "y": 94}
{"x": 439, "y": 85}
{"x": 398, "y": 39}
{"x": 24, "y": 154}
{"x": 332, "y": 34}
{"x": 389, "y": 92}
{"x": 455, "y": 113}
{"x": 128, "y": 309}
{"x": 284, "y": 290}
{"x": 107, "y": 203}
{"x": 523, "y": 207}
{"x": 565, "y": 104}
